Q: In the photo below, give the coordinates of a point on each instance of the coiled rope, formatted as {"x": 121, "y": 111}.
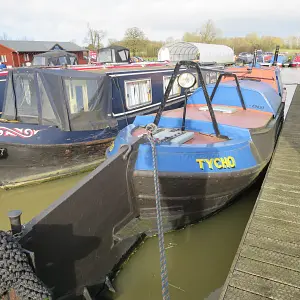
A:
{"x": 162, "y": 253}
{"x": 16, "y": 272}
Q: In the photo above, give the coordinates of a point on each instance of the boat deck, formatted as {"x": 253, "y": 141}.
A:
{"x": 267, "y": 263}
{"x": 241, "y": 118}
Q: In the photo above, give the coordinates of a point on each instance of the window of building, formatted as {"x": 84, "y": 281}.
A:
{"x": 138, "y": 93}
{"x": 176, "y": 89}
{"x": 3, "y": 58}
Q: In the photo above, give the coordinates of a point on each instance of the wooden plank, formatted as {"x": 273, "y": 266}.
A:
{"x": 238, "y": 294}
{"x": 270, "y": 243}
{"x": 268, "y": 230}
{"x": 271, "y": 257}
{"x": 268, "y": 271}
{"x": 262, "y": 287}
{"x": 267, "y": 263}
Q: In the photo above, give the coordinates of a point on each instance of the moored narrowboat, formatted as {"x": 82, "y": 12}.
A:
{"x": 59, "y": 121}
{"x": 209, "y": 150}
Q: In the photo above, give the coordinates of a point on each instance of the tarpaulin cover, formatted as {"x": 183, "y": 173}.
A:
{"x": 69, "y": 99}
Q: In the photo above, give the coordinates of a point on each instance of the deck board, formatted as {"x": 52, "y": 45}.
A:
{"x": 267, "y": 263}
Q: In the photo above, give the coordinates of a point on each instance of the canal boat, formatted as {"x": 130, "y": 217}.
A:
{"x": 209, "y": 150}
{"x": 58, "y": 122}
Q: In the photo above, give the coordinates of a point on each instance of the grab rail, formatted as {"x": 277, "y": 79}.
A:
{"x": 189, "y": 64}
{"x": 237, "y": 86}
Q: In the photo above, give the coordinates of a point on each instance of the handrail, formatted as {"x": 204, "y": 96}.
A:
{"x": 189, "y": 64}
{"x": 237, "y": 86}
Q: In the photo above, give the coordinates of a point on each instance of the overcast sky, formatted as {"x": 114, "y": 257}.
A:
{"x": 64, "y": 20}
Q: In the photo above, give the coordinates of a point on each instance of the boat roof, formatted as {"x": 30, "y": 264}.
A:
{"x": 256, "y": 95}
{"x": 55, "y": 53}
{"x": 266, "y": 75}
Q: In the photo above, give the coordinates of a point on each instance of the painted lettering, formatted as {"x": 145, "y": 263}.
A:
{"x": 217, "y": 163}
{"x": 224, "y": 162}
{"x": 209, "y": 162}
{"x": 231, "y": 161}
{"x": 200, "y": 162}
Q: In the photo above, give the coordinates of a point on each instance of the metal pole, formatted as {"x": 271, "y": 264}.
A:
{"x": 15, "y": 221}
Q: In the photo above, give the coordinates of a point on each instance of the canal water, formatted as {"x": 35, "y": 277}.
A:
{"x": 198, "y": 257}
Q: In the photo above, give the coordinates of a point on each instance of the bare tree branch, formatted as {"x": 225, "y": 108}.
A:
{"x": 94, "y": 38}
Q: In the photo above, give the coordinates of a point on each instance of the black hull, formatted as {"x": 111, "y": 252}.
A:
{"x": 27, "y": 164}
{"x": 185, "y": 199}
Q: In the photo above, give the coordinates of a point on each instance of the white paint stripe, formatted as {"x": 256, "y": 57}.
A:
{"x": 2, "y": 79}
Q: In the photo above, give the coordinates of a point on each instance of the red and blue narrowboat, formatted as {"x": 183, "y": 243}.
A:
{"x": 209, "y": 150}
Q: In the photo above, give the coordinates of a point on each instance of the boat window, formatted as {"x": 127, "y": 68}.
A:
{"x": 105, "y": 56}
{"x": 26, "y": 98}
{"x": 62, "y": 60}
{"x": 73, "y": 60}
{"x": 39, "y": 61}
{"x": 48, "y": 116}
{"x": 176, "y": 89}
{"x": 123, "y": 55}
{"x": 80, "y": 93}
{"x": 138, "y": 93}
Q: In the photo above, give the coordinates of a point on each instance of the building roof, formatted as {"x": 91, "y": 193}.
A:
{"x": 39, "y": 46}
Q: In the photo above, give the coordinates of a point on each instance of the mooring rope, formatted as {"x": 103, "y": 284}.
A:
{"x": 161, "y": 242}
{"x": 16, "y": 273}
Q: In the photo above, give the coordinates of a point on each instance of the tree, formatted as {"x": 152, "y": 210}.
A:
{"x": 208, "y": 32}
{"x": 94, "y": 38}
{"x": 191, "y": 37}
{"x": 135, "y": 40}
{"x": 113, "y": 42}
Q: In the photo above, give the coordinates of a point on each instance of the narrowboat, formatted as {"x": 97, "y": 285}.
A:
{"x": 60, "y": 121}
{"x": 209, "y": 150}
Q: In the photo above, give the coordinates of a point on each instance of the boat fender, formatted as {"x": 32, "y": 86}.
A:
{"x": 16, "y": 273}
{"x": 3, "y": 153}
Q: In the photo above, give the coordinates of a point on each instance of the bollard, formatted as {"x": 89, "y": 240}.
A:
{"x": 15, "y": 221}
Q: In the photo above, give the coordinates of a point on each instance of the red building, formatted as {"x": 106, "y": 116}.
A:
{"x": 18, "y": 53}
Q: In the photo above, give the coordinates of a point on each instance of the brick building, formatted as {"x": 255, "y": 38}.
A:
{"x": 18, "y": 53}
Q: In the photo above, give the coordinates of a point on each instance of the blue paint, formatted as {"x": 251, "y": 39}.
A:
{"x": 180, "y": 160}
{"x": 183, "y": 158}
{"x": 257, "y": 95}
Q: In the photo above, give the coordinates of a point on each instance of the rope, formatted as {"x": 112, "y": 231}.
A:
{"x": 162, "y": 253}
{"x": 16, "y": 273}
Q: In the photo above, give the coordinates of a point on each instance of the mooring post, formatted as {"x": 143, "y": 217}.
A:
{"x": 15, "y": 221}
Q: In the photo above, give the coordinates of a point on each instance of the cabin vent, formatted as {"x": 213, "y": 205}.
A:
{"x": 138, "y": 93}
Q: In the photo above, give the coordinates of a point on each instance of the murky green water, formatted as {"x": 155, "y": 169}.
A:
{"x": 198, "y": 257}
{"x": 33, "y": 199}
